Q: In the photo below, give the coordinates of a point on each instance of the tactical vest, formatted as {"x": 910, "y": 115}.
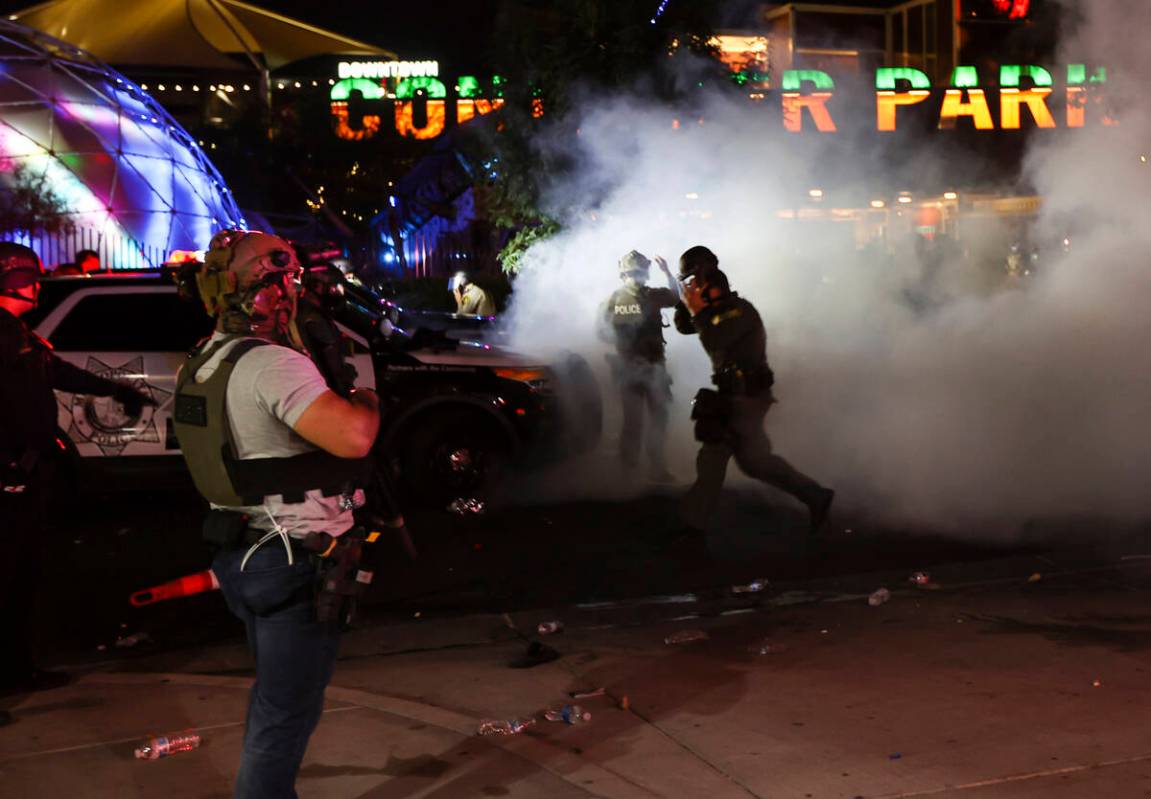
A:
{"x": 638, "y": 325}
{"x": 200, "y": 417}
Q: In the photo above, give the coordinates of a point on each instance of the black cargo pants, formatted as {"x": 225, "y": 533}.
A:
{"x": 744, "y": 439}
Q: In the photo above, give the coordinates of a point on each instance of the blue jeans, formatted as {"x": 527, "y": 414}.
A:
{"x": 294, "y": 656}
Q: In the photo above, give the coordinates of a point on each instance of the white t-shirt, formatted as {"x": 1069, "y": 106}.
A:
{"x": 270, "y": 388}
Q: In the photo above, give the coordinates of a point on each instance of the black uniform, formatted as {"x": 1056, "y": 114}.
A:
{"x": 633, "y": 321}
{"x": 730, "y": 420}
{"x": 29, "y": 371}
{"x": 328, "y": 349}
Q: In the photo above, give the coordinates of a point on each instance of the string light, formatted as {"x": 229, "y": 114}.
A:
{"x": 659, "y": 11}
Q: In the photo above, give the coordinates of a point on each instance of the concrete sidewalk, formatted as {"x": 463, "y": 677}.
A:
{"x": 1009, "y": 689}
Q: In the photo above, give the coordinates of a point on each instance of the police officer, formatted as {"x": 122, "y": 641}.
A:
{"x": 315, "y": 333}
{"x": 632, "y": 320}
{"x": 29, "y": 371}
{"x": 729, "y": 420}
{"x": 471, "y": 300}
{"x": 277, "y": 453}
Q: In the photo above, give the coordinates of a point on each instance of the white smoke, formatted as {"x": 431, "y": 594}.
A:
{"x": 998, "y": 407}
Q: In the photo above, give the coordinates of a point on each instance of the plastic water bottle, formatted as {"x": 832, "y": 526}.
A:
{"x": 878, "y": 597}
{"x": 162, "y": 746}
{"x": 568, "y": 714}
{"x": 501, "y": 727}
{"x": 549, "y": 627}
{"x": 686, "y": 637}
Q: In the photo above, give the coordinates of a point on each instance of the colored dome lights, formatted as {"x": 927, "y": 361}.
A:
{"x": 132, "y": 182}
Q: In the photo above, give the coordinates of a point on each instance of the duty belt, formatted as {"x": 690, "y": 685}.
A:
{"x": 735, "y": 380}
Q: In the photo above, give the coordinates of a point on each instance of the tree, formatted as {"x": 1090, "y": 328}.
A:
{"x": 30, "y": 204}
{"x": 555, "y": 54}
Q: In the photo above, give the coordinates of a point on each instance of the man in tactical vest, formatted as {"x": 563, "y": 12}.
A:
{"x": 632, "y": 320}
{"x": 29, "y": 371}
{"x": 277, "y": 453}
{"x": 729, "y": 420}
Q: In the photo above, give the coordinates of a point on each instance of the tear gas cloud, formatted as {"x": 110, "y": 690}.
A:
{"x": 995, "y": 407}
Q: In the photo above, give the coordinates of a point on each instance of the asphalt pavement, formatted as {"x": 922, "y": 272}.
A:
{"x": 1017, "y": 676}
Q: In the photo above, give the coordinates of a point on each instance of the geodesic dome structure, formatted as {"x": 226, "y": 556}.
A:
{"x": 134, "y": 183}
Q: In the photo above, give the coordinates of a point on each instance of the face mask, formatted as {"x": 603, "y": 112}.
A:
{"x": 271, "y": 308}
{"x": 635, "y": 280}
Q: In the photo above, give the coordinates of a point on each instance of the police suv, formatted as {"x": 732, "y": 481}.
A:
{"x": 457, "y": 409}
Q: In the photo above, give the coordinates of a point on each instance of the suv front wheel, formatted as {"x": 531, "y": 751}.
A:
{"x": 452, "y": 454}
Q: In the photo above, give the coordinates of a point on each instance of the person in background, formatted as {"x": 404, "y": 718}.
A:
{"x": 88, "y": 262}
{"x": 471, "y": 300}
{"x": 29, "y": 371}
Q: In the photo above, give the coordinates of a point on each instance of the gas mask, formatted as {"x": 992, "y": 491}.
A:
{"x": 636, "y": 279}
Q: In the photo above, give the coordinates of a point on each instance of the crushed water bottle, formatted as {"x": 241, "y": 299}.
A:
{"x": 549, "y": 627}
{"x": 501, "y": 727}
{"x": 464, "y": 506}
{"x": 162, "y": 746}
{"x": 568, "y": 714}
{"x": 686, "y": 637}
{"x": 878, "y": 597}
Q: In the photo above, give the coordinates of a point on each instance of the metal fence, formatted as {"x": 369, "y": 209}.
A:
{"x": 116, "y": 252}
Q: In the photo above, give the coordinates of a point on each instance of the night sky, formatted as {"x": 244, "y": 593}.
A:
{"x": 454, "y": 32}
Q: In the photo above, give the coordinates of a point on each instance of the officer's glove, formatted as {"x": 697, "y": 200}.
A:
{"x": 132, "y": 399}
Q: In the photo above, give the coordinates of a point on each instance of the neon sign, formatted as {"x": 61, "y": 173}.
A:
{"x": 1022, "y": 97}
{"x": 473, "y": 100}
{"x": 1024, "y": 89}
{"x": 387, "y": 69}
{"x": 1013, "y": 9}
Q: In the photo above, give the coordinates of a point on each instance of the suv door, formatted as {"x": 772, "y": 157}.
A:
{"x": 139, "y": 334}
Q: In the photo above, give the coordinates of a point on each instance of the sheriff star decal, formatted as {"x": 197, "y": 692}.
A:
{"x": 102, "y": 420}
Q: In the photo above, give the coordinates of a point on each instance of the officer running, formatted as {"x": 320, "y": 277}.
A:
{"x": 729, "y": 420}
{"x": 632, "y": 320}
{"x": 29, "y": 371}
{"x": 277, "y": 454}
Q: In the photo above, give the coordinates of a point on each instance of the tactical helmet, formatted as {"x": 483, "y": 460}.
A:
{"x": 325, "y": 283}
{"x": 247, "y": 279}
{"x": 20, "y": 267}
{"x": 634, "y": 261}
{"x": 698, "y": 261}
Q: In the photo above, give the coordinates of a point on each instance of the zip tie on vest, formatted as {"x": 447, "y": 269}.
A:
{"x": 277, "y": 530}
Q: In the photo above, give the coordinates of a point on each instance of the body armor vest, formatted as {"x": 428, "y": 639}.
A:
{"x": 200, "y": 417}
{"x": 638, "y": 325}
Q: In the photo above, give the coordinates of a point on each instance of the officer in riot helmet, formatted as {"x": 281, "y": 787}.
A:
{"x": 316, "y": 334}
{"x": 29, "y": 371}
{"x": 632, "y": 321}
{"x": 729, "y": 419}
{"x": 278, "y": 455}
{"x": 697, "y": 262}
